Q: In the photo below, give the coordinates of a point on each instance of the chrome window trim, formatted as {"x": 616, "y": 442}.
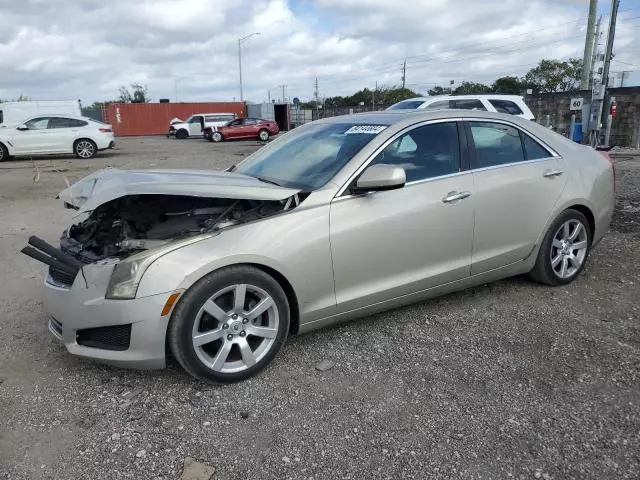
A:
{"x": 512, "y": 164}
{"x": 390, "y": 140}
{"x": 520, "y": 129}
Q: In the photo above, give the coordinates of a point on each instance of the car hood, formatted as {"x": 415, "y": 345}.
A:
{"x": 106, "y": 185}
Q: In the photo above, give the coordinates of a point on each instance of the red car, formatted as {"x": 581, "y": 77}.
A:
{"x": 242, "y": 128}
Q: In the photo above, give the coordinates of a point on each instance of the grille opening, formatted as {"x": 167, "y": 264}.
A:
{"x": 115, "y": 338}
{"x": 61, "y": 277}
{"x": 55, "y": 326}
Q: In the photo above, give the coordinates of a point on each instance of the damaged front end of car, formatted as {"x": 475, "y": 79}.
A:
{"x": 149, "y": 217}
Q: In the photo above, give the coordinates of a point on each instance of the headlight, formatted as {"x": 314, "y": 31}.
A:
{"x": 127, "y": 274}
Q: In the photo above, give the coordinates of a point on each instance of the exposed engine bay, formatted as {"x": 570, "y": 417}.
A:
{"x": 133, "y": 223}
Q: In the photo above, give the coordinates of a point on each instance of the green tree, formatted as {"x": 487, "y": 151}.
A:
{"x": 137, "y": 94}
{"x": 508, "y": 85}
{"x": 21, "y": 98}
{"x": 554, "y": 75}
{"x": 466, "y": 88}
{"x": 439, "y": 91}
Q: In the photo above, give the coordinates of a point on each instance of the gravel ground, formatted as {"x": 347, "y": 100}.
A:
{"x": 508, "y": 380}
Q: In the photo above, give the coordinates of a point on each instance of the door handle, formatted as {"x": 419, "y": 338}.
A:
{"x": 552, "y": 173}
{"x": 455, "y": 196}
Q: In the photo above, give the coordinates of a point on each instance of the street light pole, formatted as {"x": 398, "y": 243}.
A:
{"x": 240, "y": 42}
{"x": 175, "y": 86}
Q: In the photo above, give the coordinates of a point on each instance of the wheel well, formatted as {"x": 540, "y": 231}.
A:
{"x": 82, "y": 138}
{"x": 587, "y": 213}
{"x": 288, "y": 290}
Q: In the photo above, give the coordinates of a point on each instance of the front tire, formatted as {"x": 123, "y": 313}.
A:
{"x": 217, "y": 137}
{"x": 4, "y": 153}
{"x": 182, "y": 134}
{"x": 229, "y": 325}
{"x": 564, "y": 250}
{"x": 85, "y": 148}
{"x": 263, "y": 135}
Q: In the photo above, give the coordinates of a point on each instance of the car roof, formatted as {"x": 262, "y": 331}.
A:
{"x": 391, "y": 117}
{"x": 60, "y": 115}
{"x": 464, "y": 97}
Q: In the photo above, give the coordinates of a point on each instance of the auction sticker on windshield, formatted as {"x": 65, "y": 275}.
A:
{"x": 370, "y": 129}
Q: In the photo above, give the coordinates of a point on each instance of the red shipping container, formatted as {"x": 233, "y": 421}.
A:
{"x": 129, "y": 119}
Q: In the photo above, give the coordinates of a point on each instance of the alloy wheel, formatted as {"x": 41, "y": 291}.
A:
{"x": 85, "y": 149}
{"x": 569, "y": 248}
{"x": 264, "y": 135}
{"x": 235, "y": 328}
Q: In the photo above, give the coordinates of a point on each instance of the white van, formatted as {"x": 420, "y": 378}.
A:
{"x": 14, "y": 113}
{"x": 511, "y": 104}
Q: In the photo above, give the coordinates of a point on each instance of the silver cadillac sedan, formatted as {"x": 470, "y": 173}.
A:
{"x": 337, "y": 219}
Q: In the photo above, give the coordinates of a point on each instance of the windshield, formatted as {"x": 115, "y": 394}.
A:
{"x": 406, "y": 105}
{"x": 311, "y": 155}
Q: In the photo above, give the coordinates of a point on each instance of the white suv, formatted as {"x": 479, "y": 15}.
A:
{"x": 512, "y": 104}
{"x": 50, "y": 134}
{"x": 196, "y": 123}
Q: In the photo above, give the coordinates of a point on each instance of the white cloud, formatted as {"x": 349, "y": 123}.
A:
{"x": 54, "y": 49}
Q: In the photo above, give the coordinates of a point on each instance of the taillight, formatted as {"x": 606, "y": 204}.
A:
{"x": 105, "y": 130}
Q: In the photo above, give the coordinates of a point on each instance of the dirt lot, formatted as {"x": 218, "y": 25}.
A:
{"x": 509, "y": 380}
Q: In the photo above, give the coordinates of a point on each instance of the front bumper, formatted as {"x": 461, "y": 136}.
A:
{"x": 82, "y": 308}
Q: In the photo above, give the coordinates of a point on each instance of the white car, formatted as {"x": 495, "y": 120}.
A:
{"x": 196, "y": 123}
{"x": 50, "y": 134}
{"x": 511, "y": 104}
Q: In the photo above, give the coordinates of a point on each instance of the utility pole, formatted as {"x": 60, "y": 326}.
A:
{"x": 284, "y": 98}
{"x": 269, "y": 95}
{"x": 594, "y": 55}
{"x": 588, "y": 45}
{"x": 604, "y": 114}
{"x": 404, "y": 73}
{"x": 373, "y": 98}
{"x": 623, "y": 77}
{"x": 316, "y": 95}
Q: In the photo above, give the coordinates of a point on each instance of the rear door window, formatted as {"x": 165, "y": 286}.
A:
{"x": 506, "y": 106}
{"x": 533, "y": 150}
{"x": 468, "y": 104}
{"x": 496, "y": 144}
{"x": 61, "y": 122}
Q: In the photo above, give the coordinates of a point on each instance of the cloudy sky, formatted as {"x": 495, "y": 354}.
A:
{"x": 86, "y": 49}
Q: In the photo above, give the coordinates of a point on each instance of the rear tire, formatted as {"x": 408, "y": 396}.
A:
{"x": 4, "y": 153}
{"x": 564, "y": 250}
{"x": 229, "y": 325}
{"x": 217, "y": 137}
{"x": 182, "y": 134}
{"x": 263, "y": 135}
{"x": 85, "y": 148}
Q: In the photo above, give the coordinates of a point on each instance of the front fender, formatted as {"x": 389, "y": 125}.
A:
{"x": 295, "y": 244}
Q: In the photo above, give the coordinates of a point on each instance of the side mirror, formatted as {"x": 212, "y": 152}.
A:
{"x": 380, "y": 177}
{"x": 22, "y": 127}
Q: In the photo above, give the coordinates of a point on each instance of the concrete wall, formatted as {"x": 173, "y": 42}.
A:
{"x": 624, "y": 130}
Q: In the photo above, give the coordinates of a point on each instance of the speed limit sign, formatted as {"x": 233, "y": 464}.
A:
{"x": 576, "y": 104}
